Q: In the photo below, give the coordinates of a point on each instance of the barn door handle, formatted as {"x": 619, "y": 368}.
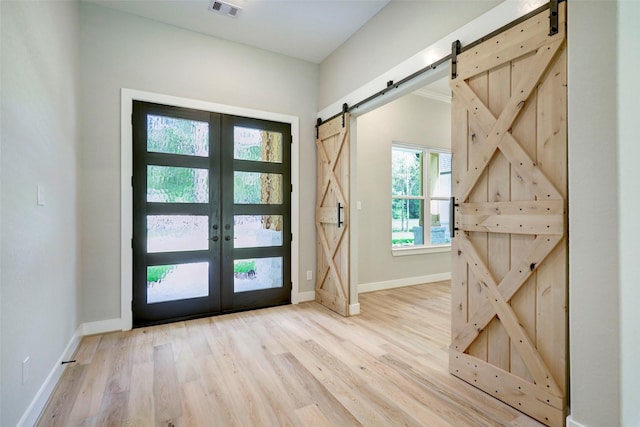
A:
{"x": 452, "y": 217}
{"x": 340, "y": 222}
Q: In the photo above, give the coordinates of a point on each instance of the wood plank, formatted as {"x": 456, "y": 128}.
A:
{"x": 459, "y": 271}
{"x": 61, "y": 404}
{"x": 499, "y": 190}
{"x": 513, "y": 224}
{"x": 510, "y": 44}
{"x": 534, "y": 399}
{"x": 552, "y": 294}
{"x": 477, "y": 142}
{"x": 524, "y": 131}
{"x": 527, "y": 206}
{"x": 327, "y": 215}
{"x": 166, "y": 387}
{"x": 387, "y": 365}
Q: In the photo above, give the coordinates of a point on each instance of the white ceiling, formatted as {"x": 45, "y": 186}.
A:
{"x": 304, "y": 29}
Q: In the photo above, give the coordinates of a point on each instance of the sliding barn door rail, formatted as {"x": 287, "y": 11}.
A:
{"x": 457, "y": 48}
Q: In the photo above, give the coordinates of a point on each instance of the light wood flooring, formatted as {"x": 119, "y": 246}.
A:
{"x": 296, "y": 365}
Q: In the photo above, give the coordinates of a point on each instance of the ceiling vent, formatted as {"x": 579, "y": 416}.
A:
{"x": 224, "y": 8}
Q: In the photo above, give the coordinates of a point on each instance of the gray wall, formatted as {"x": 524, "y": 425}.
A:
{"x": 400, "y": 30}
{"x": 124, "y": 51}
{"x": 39, "y": 250}
{"x": 629, "y": 202}
{"x": 411, "y": 119}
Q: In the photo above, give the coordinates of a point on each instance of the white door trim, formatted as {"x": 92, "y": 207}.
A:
{"x": 126, "y": 192}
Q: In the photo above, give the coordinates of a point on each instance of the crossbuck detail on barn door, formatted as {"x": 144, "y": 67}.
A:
{"x": 332, "y": 214}
{"x": 509, "y": 278}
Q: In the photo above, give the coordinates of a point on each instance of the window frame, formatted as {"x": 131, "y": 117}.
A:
{"x": 426, "y": 197}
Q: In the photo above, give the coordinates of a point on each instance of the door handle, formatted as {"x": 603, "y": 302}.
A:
{"x": 340, "y": 222}
{"x": 452, "y": 217}
{"x": 227, "y": 238}
{"x": 215, "y": 238}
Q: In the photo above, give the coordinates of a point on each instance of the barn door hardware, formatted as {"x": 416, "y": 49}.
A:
{"x": 455, "y": 50}
{"x": 318, "y": 123}
{"x": 340, "y": 207}
{"x": 553, "y": 17}
{"x": 452, "y": 217}
{"x": 345, "y": 110}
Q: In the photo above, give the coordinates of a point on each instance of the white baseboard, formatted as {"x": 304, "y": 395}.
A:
{"x": 307, "y": 296}
{"x": 38, "y": 403}
{"x": 354, "y": 309}
{"x": 101, "y": 326}
{"x": 572, "y": 423}
{"x": 398, "y": 283}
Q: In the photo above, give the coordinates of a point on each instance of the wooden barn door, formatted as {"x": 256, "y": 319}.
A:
{"x": 332, "y": 215}
{"x": 509, "y": 280}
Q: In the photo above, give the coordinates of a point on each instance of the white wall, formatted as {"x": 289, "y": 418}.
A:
{"x": 411, "y": 119}
{"x": 39, "y": 248}
{"x": 629, "y": 202}
{"x": 400, "y": 30}
{"x": 120, "y": 50}
{"x": 593, "y": 220}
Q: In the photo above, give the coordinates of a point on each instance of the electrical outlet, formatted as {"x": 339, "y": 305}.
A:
{"x": 25, "y": 370}
{"x": 40, "y": 195}
{"x": 309, "y": 275}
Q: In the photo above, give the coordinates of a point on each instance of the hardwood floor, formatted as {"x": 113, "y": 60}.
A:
{"x": 296, "y": 365}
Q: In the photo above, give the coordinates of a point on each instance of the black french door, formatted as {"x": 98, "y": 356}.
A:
{"x": 211, "y": 213}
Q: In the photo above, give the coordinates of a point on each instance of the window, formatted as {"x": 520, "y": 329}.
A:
{"x": 421, "y": 182}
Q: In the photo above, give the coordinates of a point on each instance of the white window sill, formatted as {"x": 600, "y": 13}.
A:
{"x": 418, "y": 250}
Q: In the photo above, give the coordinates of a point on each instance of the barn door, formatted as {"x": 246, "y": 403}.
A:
{"x": 509, "y": 279}
{"x": 332, "y": 215}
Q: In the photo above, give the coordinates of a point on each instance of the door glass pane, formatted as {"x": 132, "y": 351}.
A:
{"x": 172, "y": 233}
{"x": 170, "y": 184}
{"x": 177, "y": 281}
{"x": 257, "y": 145}
{"x": 440, "y": 174}
{"x": 257, "y": 188}
{"x": 253, "y": 231}
{"x": 177, "y": 136}
{"x": 406, "y": 222}
{"x": 257, "y": 273}
{"x": 406, "y": 172}
{"x": 440, "y": 234}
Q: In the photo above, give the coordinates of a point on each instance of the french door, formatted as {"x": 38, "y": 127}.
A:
{"x": 211, "y": 213}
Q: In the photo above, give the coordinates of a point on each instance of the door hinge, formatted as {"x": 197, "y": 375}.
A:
{"x": 132, "y": 180}
{"x": 292, "y": 237}
{"x": 291, "y": 188}
{"x": 455, "y": 50}
{"x": 131, "y": 305}
{"x": 132, "y": 243}
{"x": 132, "y": 119}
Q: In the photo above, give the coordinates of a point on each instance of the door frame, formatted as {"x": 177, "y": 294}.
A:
{"x": 127, "y": 96}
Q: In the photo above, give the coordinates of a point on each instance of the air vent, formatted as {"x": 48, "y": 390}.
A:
{"x": 223, "y": 8}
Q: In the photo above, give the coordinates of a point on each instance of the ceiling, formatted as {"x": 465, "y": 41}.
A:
{"x": 303, "y": 29}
